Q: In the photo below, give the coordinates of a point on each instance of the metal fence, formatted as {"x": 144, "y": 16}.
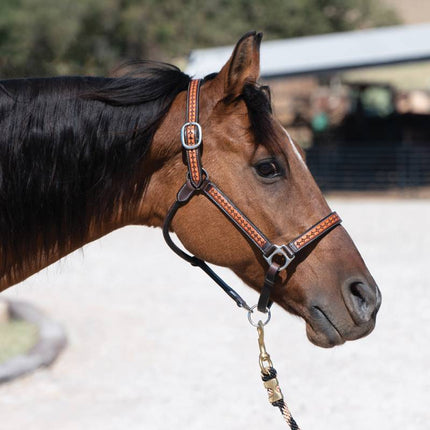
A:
{"x": 370, "y": 167}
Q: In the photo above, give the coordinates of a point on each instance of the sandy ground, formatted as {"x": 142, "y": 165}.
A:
{"x": 172, "y": 351}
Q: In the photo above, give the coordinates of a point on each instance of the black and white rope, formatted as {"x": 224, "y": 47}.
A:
{"x": 269, "y": 374}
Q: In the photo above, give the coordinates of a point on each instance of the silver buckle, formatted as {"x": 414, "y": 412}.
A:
{"x": 199, "y": 137}
{"x": 283, "y": 251}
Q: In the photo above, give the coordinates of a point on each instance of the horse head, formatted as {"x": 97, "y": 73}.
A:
{"x": 252, "y": 158}
{"x": 84, "y": 156}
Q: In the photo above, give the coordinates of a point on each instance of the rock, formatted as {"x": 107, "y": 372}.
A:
{"x": 52, "y": 340}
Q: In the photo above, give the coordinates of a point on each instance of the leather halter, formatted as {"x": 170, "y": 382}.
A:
{"x": 278, "y": 257}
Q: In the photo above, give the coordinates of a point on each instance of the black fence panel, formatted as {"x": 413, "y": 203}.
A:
{"x": 370, "y": 167}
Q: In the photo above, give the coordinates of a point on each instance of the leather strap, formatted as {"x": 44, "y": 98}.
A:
{"x": 185, "y": 193}
{"x": 236, "y": 216}
{"x": 315, "y": 232}
{"x": 192, "y": 134}
{"x": 264, "y": 302}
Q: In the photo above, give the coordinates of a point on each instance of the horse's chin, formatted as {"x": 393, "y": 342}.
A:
{"x": 326, "y": 338}
{"x": 321, "y": 331}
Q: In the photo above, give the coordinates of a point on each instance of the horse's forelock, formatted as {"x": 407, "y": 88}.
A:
{"x": 258, "y": 102}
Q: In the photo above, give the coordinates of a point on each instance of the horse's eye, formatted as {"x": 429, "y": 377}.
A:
{"x": 268, "y": 169}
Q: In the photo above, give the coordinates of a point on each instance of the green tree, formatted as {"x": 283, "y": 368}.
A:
{"x": 50, "y": 37}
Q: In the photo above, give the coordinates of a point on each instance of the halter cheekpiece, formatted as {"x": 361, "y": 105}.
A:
{"x": 278, "y": 257}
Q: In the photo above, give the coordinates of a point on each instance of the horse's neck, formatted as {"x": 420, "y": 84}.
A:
{"x": 65, "y": 183}
{"x": 29, "y": 264}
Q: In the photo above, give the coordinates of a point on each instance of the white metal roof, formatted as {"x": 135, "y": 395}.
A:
{"x": 335, "y": 51}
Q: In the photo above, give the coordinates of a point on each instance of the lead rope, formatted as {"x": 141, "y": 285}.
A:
{"x": 268, "y": 374}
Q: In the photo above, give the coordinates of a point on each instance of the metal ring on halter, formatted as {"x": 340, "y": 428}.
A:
{"x": 284, "y": 252}
{"x": 199, "y": 135}
{"x": 251, "y": 321}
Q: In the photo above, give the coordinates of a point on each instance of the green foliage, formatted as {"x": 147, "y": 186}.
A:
{"x": 49, "y": 37}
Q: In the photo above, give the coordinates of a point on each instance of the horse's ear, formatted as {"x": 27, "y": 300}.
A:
{"x": 243, "y": 66}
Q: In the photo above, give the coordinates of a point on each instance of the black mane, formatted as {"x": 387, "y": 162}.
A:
{"x": 69, "y": 141}
{"x": 70, "y": 148}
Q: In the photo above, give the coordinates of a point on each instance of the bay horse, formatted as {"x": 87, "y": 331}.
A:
{"x": 83, "y": 156}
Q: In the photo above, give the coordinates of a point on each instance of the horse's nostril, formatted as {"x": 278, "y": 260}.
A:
{"x": 357, "y": 294}
{"x": 361, "y": 300}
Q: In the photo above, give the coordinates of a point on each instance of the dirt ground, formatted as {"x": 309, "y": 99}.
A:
{"x": 171, "y": 351}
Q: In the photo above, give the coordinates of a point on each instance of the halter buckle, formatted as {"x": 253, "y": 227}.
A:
{"x": 198, "y": 137}
{"x": 284, "y": 252}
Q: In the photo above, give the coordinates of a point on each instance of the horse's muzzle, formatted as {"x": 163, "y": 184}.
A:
{"x": 328, "y": 327}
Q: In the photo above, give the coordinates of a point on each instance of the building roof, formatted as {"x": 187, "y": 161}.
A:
{"x": 328, "y": 52}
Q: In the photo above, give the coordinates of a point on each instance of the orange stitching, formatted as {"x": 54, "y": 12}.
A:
{"x": 190, "y": 136}
{"x": 192, "y": 101}
{"x": 316, "y": 231}
{"x": 237, "y": 217}
{"x": 195, "y": 172}
{"x": 192, "y": 117}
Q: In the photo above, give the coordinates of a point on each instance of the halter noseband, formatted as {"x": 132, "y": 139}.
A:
{"x": 278, "y": 257}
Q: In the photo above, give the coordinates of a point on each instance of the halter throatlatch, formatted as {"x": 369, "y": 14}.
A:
{"x": 278, "y": 257}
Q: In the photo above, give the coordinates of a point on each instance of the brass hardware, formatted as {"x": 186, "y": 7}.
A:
{"x": 264, "y": 358}
{"x": 271, "y": 385}
{"x": 273, "y": 390}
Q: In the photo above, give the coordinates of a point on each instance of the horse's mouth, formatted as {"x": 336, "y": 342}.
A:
{"x": 321, "y": 331}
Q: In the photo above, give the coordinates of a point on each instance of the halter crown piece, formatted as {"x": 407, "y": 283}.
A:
{"x": 278, "y": 257}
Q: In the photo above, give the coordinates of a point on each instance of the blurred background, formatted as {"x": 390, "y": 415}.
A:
{"x": 350, "y": 80}
{"x": 362, "y": 117}
{"x": 49, "y": 37}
